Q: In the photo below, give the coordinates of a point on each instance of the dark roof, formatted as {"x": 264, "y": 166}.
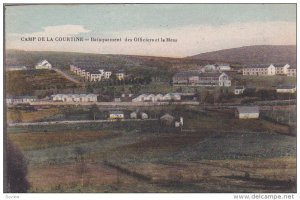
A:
{"x": 248, "y": 109}
{"x": 116, "y": 112}
{"x": 210, "y": 74}
{"x": 292, "y": 67}
{"x": 86, "y": 65}
{"x": 94, "y": 71}
{"x": 167, "y": 117}
{"x": 257, "y": 66}
{"x": 25, "y": 97}
{"x": 187, "y": 74}
{"x": 239, "y": 87}
{"x": 286, "y": 86}
{"x": 280, "y": 64}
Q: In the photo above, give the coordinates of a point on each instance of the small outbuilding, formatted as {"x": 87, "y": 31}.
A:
{"x": 133, "y": 115}
{"x": 144, "y": 115}
{"x": 239, "y": 90}
{"x": 116, "y": 115}
{"x": 286, "y": 89}
{"x": 43, "y": 64}
{"x": 247, "y": 112}
{"x": 167, "y": 119}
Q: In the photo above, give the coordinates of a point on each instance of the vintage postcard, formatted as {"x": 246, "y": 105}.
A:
{"x": 150, "y": 98}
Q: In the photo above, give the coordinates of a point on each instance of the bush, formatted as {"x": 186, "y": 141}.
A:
{"x": 16, "y": 170}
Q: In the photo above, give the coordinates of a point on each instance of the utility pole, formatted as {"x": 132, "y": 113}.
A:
{"x": 289, "y": 108}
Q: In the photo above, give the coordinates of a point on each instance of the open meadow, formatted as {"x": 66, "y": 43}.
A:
{"x": 214, "y": 154}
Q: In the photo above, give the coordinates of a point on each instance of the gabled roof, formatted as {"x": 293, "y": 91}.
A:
{"x": 167, "y": 117}
{"x": 280, "y": 64}
{"x": 43, "y": 62}
{"x": 94, "y": 71}
{"x": 292, "y": 67}
{"x": 248, "y": 109}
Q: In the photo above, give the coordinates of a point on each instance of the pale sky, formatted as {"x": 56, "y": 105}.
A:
{"x": 198, "y": 28}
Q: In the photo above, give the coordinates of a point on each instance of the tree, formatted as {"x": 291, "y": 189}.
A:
{"x": 16, "y": 116}
{"x": 135, "y": 89}
{"x": 94, "y": 110}
{"x": 89, "y": 89}
{"x": 16, "y": 170}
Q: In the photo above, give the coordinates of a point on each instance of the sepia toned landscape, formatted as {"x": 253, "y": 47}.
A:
{"x": 216, "y": 122}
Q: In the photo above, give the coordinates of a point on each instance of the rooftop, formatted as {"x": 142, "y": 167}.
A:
{"x": 116, "y": 112}
{"x": 248, "y": 109}
{"x": 186, "y": 74}
{"x": 239, "y": 87}
{"x": 257, "y": 66}
{"x": 286, "y": 87}
{"x": 210, "y": 74}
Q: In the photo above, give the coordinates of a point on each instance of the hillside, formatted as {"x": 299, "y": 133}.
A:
{"x": 253, "y": 54}
{"x": 64, "y": 59}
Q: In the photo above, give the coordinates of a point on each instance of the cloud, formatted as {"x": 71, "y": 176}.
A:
{"x": 52, "y": 31}
{"x": 190, "y": 39}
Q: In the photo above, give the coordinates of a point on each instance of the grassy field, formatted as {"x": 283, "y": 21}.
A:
{"x": 265, "y": 175}
{"x": 211, "y": 156}
{"x": 25, "y": 82}
{"x": 14, "y": 115}
{"x": 40, "y": 140}
{"x": 263, "y": 82}
{"x": 207, "y": 163}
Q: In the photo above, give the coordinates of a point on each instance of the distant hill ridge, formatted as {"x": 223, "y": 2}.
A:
{"x": 253, "y": 55}
{"x": 260, "y": 54}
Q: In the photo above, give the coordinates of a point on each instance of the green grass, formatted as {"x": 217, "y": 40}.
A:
{"x": 263, "y": 82}
{"x": 52, "y": 167}
{"x": 26, "y": 82}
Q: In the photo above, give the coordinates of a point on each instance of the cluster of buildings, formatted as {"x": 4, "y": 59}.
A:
{"x": 208, "y": 75}
{"x": 238, "y": 90}
{"x": 20, "y": 100}
{"x": 219, "y": 67}
{"x": 117, "y": 114}
{"x": 75, "y": 97}
{"x": 43, "y": 64}
{"x": 202, "y": 78}
{"x": 166, "y": 119}
{"x": 157, "y": 97}
{"x": 16, "y": 68}
{"x": 93, "y": 72}
{"x": 269, "y": 70}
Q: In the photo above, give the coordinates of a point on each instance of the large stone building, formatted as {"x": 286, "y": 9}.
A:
{"x": 202, "y": 79}
{"x": 259, "y": 70}
{"x": 90, "y": 72}
{"x": 266, "y": 69}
